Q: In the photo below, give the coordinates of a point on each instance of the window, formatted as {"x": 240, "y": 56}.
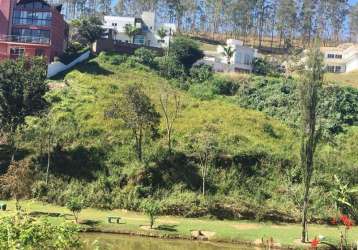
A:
{"x": 39, "y": 52}
{"x": 339, "y": 56}
{"x": 338, "y": 69}
{"x": 114, "y": 24}
{"x": 34, "y": 5}
{"x": 248, "y": 60}
{"x": 38, "y": 18}
{"x": 238, "y": 57}
{"x": 31, "y": 36}
{"x": 16, "y": 52}
{"x": 330, "y": 69}
{"x": 139, "y": 39}
{"x": 330, "y": 56}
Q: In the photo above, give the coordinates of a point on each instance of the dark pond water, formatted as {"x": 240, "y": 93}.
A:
{"x": 122, "y": 242}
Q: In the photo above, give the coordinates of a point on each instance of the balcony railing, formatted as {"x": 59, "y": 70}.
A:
{"x": 25, "y": 39}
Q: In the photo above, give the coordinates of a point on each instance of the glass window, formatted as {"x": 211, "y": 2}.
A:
{"x": 139, "y": 39}
{"x": 247, "y": 60}
{"x": 16, "y": 52}
{"x": 339, "y": 56}
{"x": 330, "y": 55}
{"x": 330, "y": 68}
{"x": 31, "y": 36}
{"x": 39, "y": 18}
{"x": 338, "y": 69}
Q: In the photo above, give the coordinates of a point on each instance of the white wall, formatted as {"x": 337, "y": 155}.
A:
{"x": 58, "y": 67}
{"x": 352, "y": 65}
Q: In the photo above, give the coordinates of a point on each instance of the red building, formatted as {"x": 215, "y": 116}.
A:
{"x": 31, "y": 28}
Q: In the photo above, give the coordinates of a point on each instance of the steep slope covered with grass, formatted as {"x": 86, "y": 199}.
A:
{"x": 255, "y": 172}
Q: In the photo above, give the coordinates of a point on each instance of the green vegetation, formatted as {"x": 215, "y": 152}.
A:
{"x": 20, "y": 231}
{"x": 86, "y": 30}
{"x": 75, "y": 205}
{"x": 171, "y": 226}
{"x": 151, "y": 209}
{"x": 126, "y": 130}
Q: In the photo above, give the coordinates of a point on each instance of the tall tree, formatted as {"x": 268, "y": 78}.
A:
{"x": 338, "y": 10}
{"x": 353, "y": 23}
{"x": 307, "y": 16}
{"x": 205, "y": 148}
{"x": 87, "y": 29}
{"x": 138, "y": 114}
{"x": 22, "y": 90}
{"x": 311, "y": 84}
{"x": 170, "y": 104}
{"x": 286, "y": 19}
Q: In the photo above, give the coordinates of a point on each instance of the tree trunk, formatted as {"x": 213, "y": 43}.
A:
{"x": 304, "y": 237}
{"x": 203, "y": 186}
{"x": 48, "y": 160}
{"x": 139, "y": 145}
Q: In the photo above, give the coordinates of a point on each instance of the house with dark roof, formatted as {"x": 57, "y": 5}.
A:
{"x": 31, "y": 28}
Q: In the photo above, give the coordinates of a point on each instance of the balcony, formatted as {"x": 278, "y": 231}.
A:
{"x": 24, "y": 39}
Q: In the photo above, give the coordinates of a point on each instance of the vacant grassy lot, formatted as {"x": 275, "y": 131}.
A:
{"x": 349, "y": 79}
{"x": 285, "y": 234}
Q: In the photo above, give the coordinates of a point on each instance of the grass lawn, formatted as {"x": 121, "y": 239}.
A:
{"x": 350, "y": 79}
{"x": 208, "y": 46}
{"x": 285, "y": 234}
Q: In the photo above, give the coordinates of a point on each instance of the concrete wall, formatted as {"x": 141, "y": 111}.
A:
{"x": 352, "y": 65}
{"x": 58, "y": 67}
{"x": 120, "y": 47}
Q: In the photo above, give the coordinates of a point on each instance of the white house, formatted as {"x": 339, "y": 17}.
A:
{"x": 240, "y": 62}
{"x": 115, "y": 27}
{"x": 341, "y": 59}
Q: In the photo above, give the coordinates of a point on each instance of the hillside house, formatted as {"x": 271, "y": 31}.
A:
{"x": 147, "y": 23}
{"x": 240, "y": 62}
{"x": 341, "y": 59}
{"x": 31, "y": 28}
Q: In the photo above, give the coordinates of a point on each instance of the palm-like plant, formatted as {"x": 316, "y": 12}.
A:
{"x": 162, "y": 33}
{"x": 131, "y": 31}
{"x": 228, "y": 53}
{"x": 344, "y": 197}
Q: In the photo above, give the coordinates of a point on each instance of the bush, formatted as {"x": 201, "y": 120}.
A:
{"x": 75, "y": 205}
{"x": 170, "y": 68}
{"x": 23, "y": 232}
{"x": 112, "y": 58}
{"x": 145, "y": 56}
{"x": 152, "y": 209}
{"x": 223, "y": 86}
{"x": 201, "y": 73}
{"x": 74, "y": 47}
{"x": 263, "y": 67}
{"x": 202, "y": 91}
{"x": 186, "y": 51}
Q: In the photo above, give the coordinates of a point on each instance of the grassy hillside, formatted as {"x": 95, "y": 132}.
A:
{"x": 349, "y": 79}
{"x": 255, "y": 173}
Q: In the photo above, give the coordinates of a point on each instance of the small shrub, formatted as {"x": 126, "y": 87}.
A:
{"x": 152, "y": 209}
{"x": 268, "y": 129}
{"x": 224, "y": 87}
{"x": 201, "y": 73}
{"x": 145, "y": 56}
{"x": 202, "y": 91}
{"x": 112, "y": 58}
{"x": 75, "y": 205}
{"x": 170, "y": 68}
